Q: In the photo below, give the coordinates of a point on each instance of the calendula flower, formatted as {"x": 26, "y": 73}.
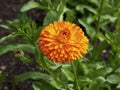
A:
{"x": 63, "y": 42}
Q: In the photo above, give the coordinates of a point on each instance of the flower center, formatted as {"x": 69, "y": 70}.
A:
{"x": 63, "y": 36}
{"x": 64, "y": 33}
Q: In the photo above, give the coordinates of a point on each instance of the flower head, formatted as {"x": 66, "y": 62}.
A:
{"x": 63, "y": 42}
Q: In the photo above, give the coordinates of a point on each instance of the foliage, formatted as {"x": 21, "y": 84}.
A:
{"x": 98, "y": 70}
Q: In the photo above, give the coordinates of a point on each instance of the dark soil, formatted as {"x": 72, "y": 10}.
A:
{"x": 9, "y": 10}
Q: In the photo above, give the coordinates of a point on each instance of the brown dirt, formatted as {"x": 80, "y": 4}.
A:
{"x": 9, "y": 10}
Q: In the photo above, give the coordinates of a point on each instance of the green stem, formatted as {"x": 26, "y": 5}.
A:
{"x": 99, "y": 17}
{"x": 39, "y": 62}
{"x": 43, "y": 65}
{"x": 75, "y": 76}
{"x": 98, "y": 26}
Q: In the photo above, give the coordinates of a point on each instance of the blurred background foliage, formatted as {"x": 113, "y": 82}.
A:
{"x": 98, "y": 70}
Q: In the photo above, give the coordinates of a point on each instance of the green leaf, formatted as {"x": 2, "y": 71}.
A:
{"x": 98, "y": 84}
{"x": 12, "y": 25}
{"x": 56, "y": 3}
{"x": 47, "y": 3}
{"x": 12, "y": 47}
{"x": 83, "y": 80}
{"x": 101, "y": 80}
{"x": 118, "y": 70}
{"x": 12, "y": 35}
{"x": 118, "y": 86}
{"x": 90, "y": 30}
{"x": 42, "y": 85}
{"x": 31, "y": 5}
{"x": 36, "y": 85}
{"x": 8, "y": 27}
{"x": 90, "y": 47}
{"x": 97, "y": 69}
{"x": 91, "y": 9}
{"x": 45, "y": 79}
{"x": 25, "y": 58}
{"x": 82, "y": 68}
{"x": 113, "y": 79}
{"x": 69, "y": 75}
{"x": 95, "y": 86}
{"x": 70, "y": 15}
{"x": 109, "y": 18}
{"x": 37, "y": 32}
{"x": 61, "y": 9}
{"x": 109, "y": 36}
{"x": 31, "y": 75}
{"x": 56, "y": 67}
{"x": 96, "y": 2}
{"x": 50, "y": 17}
{"x": 82, "y": 7}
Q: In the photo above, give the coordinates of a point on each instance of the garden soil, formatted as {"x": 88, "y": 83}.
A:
{"x": 9, "y": 10}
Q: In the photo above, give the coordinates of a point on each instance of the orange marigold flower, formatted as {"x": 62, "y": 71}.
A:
{"x": 63, "y": 42}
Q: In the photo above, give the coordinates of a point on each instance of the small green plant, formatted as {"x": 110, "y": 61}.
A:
{"x": 95, "y": 71}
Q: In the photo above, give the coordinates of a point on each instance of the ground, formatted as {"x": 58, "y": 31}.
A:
{"x": 9, "y": 10}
